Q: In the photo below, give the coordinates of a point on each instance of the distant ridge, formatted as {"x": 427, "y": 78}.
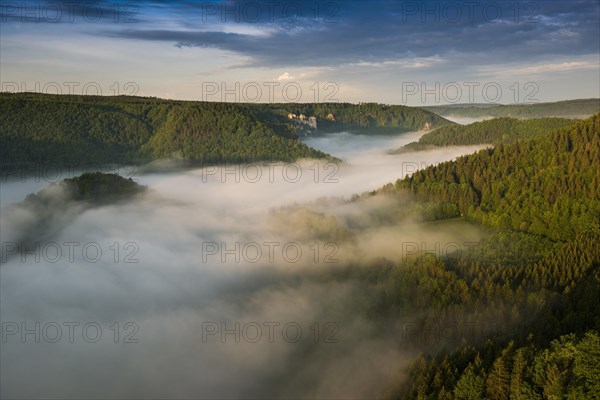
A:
{"x": 39, "y": 128}
{"x": 491, "y": 131}
{"x": 579, "y": 108}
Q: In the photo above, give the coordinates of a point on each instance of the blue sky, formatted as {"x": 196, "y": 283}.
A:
{"x": 401, "y": 52}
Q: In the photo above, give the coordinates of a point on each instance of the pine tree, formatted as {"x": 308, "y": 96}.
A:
{"x": 470, "y": 386}
{"x": 497, "y": 382}
{"x": 516, "y": 378}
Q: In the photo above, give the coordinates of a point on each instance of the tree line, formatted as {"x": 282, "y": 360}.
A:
{"x": 38, "y": 128}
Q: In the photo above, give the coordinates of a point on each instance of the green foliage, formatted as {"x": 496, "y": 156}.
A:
{"x": 538, "y": 288}
{"x": 538, "y": 273}
{"x": 497, "y": 382}
{"x": 99, "y": 187}
{"x": 568, "y": 368}
{"x": 40, "y": 128}
{"x": 581, "y": 108}
{"x": 494, "y": 131}
{"x": 470, "y": 385}
{"x": 82, "y": 129}
{"x": 546, "y": 186}
{"x": 536, "y": 276}
{"x": 367, "y": 117}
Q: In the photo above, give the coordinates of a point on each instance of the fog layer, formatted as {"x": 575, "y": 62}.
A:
{"x": 204, "y": 287}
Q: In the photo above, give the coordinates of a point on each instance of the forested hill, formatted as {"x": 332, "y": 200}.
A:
{"x": 56, "y": 206}
{"x": 536, "y": 195}
{"x": 367, "y": 118}
{"x": 81, "y": 129}
{"x": 580, "y": 108}
{"x": 95, "y": 129}
{"x": 493, "y": 131}
{"x": 547, "y": 185}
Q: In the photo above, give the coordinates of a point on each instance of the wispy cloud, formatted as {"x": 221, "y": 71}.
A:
{"x": 372, "y": 44}
{"x": 410, "y": 63}
{"x": 537, "y": 69}
{"x": 285, "y": 77}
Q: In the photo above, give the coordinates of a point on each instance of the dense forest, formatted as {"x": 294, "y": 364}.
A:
{"x": 540, "y": 199}
{"x": 545, "y": 186}
{"x": 580, "y": 108}
{"x": 494, "y": 131}
{"x": 80, "y": 129}
{"x": 101, "y": 188}
{"x": 366, "y": 118}
{"x": 38, "y": 128}
{"x": 512, "y": 316}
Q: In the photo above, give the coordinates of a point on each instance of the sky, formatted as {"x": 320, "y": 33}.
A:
{"x": 396, "y": 52}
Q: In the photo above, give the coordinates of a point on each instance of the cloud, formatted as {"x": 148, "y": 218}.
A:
{"x": 587, "y": 64}
{"x": 285, "y": 77}
{"x": 368, "y": 46}
{"x": 409, "y": 63}
{"x": 554, "y": 28}
{"x": 560, "y": 67}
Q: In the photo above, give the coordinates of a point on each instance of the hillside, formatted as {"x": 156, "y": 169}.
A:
{"x": 36, "y": 128}
{"x": 580, "y": 108}
{"x": 511, "y": 315}
{"x": 56, "y": 206}
{"x": 539, "y": 193}
{"x": 366, "y": 118}
{"x": 494, "y": 131}
{"x": 83, "y": 129}
{"x": 545, "y": 186}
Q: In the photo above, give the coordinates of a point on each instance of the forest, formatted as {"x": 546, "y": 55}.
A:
{"x": 493, "y": 131}
{"x": 366, "y": 118}
{"x": 305, "y": 199}
{"x": 36, "y": 128}
{"x": 546, "y": 186}
{"x": 515, "y": 316}
{"x": 540, "y": 199}
{"x": 580, "y": 108}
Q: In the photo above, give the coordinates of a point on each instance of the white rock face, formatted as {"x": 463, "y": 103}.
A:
{"x": 303, "y": 120}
